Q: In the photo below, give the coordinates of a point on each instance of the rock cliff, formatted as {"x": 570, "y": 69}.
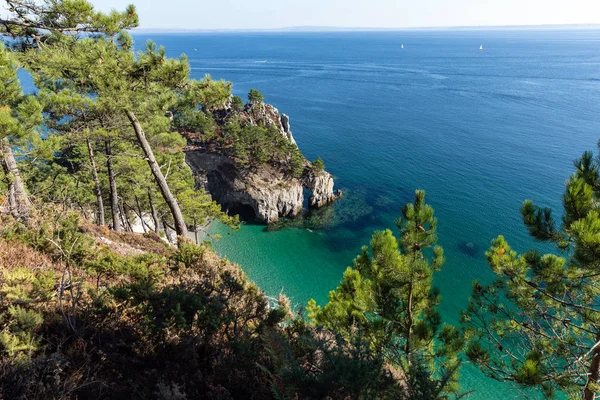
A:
{"x": 263, "y": 195}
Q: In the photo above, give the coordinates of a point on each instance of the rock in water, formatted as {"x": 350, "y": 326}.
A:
{"x": 321, "y": 186}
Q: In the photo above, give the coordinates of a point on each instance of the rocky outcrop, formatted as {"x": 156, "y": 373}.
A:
{"x": 264, "y": 195}
{"x": 269, "y": 116}
{"x": 285, "y": 128}
{"x": 321, "y": 186}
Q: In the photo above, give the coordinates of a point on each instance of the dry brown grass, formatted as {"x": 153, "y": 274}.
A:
{"x": 127, "y": 243}
{"x": 17, "y": 255}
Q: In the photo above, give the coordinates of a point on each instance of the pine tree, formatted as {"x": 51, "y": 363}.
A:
{"x": 19, "y": 116}
{"x": 35, "y": 21}
{"x": 254, "y": 96}
{"x": 108, "y": 71}
{"x": 389, "y": 297}
{"x": 538, "y": 324}
{"x": 318, "y": 164}
{"x": 101, "y": 85}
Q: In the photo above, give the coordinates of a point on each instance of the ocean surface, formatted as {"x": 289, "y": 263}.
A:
{"x": 480, "y": 131}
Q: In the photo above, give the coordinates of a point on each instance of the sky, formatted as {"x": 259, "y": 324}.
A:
{"x": 273, "y": 14}
{"x": 269, "y": 14}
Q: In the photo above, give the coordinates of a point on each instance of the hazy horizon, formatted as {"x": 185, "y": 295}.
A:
{"x": 374, "y": 29}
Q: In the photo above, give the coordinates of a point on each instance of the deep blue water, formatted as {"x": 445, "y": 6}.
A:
{"x": 480, "y": 131}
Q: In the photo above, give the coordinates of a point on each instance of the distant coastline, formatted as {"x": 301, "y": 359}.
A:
{"x": 367, "y": 29}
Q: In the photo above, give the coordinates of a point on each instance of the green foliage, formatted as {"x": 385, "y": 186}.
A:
{"x": 237, "y": 104}
{"x": 188, "y": 254}
{"x": 19, "y": 114}
{"x": 348, "y": 305}
{"x": 388, "y": 296}
{"x": 206, "y": 93}
{"x": 18, "y": 339}
{"x": 21, "y": 289}
{"x": 59, "y": 237}
{"x": 24, "y": 286}
{"x": 40, "y": 20}
{"x": 254, "y": 96}
{"x": 198, "y": 122}
{"x": 253, "y": 146}
{"x": 347, "y": 369}
{"x": 297, "y": 161}
{"x": 318, "y": 165}
{"x": 107, "y": 267}
{"x": 536, "y": 325}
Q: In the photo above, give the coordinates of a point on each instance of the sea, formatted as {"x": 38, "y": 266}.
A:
{"x": 479, "y": 130}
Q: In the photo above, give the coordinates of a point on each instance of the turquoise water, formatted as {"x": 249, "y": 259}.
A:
{"x": 480, "y": 131}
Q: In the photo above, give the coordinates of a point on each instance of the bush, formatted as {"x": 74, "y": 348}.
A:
{"x": 188, "y": 254}
{"x": 237, "y": 104}
{"x": 318, "y": 165}
{"x": 254, "y": 96}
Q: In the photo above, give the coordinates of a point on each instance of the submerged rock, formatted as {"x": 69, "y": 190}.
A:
{"x": 469, "y": 249}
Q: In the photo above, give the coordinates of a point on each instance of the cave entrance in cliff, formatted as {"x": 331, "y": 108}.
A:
{"x": 245, "y": 211}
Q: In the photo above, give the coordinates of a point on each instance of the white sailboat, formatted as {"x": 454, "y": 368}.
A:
{"x": 480, "y": 47}
{"x": 402, "y": 47}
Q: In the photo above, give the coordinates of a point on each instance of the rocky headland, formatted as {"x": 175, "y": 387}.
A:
{"x": 264, "y": 192}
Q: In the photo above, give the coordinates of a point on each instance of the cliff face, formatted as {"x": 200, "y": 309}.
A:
{"x": 264, "y": 195}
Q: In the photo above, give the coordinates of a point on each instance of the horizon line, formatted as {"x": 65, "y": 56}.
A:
{"x": 316, "y": 28}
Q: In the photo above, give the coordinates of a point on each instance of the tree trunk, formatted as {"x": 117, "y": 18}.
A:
{"x": 127, "y": 219}
{"x": 196, "y": 230}
{"x": 10, "y": 194}
{"x": 171, "y": 201}
{"x": 409, "y": 322}
{"x": 122, "y": 216}
{"x": 18, "y": 201}
{"x": 114, "y": 197}
{"x": 167, "y": 232}
{"x": 140, "y": 214}
{"x": 594, "y": 373}
{"x": 97, "y": 187}
{"x": 154, "y": 213}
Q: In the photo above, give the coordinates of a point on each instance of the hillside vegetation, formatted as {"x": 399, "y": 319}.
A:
{"x": 89, "y": 313}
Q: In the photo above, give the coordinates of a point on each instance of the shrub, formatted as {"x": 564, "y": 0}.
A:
{"x": 318, "y": 165}
{"x": 254, "y": 96}
{"x": 237, "y": 104}
{"x": 188, "y": 254}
